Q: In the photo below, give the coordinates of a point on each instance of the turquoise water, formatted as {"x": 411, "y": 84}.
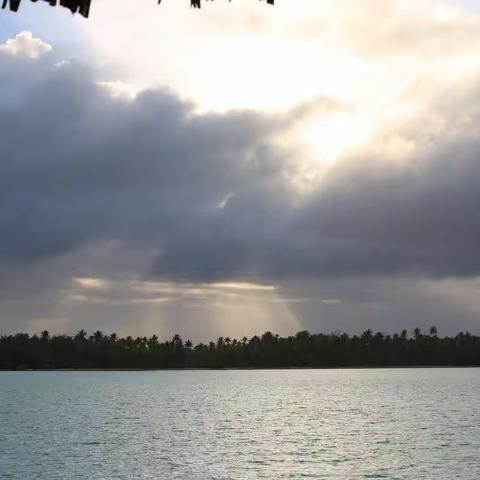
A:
{"x": 332, "y": 424}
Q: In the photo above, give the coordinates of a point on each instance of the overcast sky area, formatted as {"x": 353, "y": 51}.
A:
{"x": 313, "y": 165}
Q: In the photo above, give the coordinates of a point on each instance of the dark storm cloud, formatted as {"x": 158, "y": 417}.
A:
{"x": 212, "y": 196}
{"x": 368, "y": 217}
{"x": 78, "y": 166}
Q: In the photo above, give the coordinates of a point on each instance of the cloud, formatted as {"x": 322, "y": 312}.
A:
{"x": 85, "y": 168}
{"x": 328, "y": 48}
{"x": 119, "y": 90}
{"x": 111, "y": 205}
{"x": 381, "y": 210}
{"x": 25, "y": 45}
{"x": 244, "y": 286}
{"x": 91, "y": 283}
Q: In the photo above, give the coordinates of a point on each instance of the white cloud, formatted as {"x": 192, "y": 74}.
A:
{"x": 91, "y": 283}
{"x": 25, "y": 45}
{"x": 119, "y": 90}
{"x": 62, "y": 63}
{"x": 244, "y": 286}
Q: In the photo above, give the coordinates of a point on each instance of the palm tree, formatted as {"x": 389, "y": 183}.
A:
{"x": 302, "y": 336}
{"x": 367, "y": 336}
{"x": 81, "y": 335}
{"x": 97, "y": 336}
{"x": 153, "y": 341}
{"x": 417, "y": 333}
{"x": 177, "y": 341}
{"x": 433, "y": 331}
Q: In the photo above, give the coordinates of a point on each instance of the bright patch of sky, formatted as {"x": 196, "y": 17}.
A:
{"x": 247, "y": 55}
{"x": 55, "y": 26}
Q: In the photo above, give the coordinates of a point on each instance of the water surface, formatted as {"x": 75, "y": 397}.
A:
{"x": 279, "y": 424}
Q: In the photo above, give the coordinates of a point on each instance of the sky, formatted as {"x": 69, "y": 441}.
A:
{"x": 241, "y": 168}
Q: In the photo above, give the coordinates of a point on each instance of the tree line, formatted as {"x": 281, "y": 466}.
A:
{"x": 83, "y": 351}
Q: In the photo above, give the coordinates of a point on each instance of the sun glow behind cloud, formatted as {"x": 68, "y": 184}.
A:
{"x": 239, "y": 57}
{"x": 328, "y": 138}
{"x": 245, "y": 56}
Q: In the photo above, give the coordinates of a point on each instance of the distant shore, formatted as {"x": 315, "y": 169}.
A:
{"x": 304, "y": 350}
{"x": 409, "y": 367}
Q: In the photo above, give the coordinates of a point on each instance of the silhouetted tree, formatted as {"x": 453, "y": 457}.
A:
{"x": 22, "y": 351}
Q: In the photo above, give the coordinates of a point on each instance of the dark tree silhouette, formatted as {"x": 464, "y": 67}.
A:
{"x": 46, "y": 351}
{"x": 83, "y": 6}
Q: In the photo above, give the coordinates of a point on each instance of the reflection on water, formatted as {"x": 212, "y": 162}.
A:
{"x": 345, "y": 424}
